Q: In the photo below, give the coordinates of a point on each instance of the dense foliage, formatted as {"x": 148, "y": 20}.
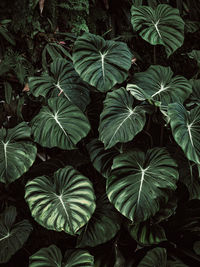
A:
{"x": 100, "y": 133}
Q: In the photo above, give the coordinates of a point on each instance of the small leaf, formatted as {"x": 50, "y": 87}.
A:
{"x": 12, "y": 235}
{"x": 17, "y": 153}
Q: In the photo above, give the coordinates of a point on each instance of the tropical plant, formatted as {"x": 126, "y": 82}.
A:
{"x": 100, "y": 133}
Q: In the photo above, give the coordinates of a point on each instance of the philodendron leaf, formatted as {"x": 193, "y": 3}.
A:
{"x": 12, "y": 235}
{"x": 103, "y": 225}
{"x": 101, "y": 159}
{"x": 52, "y": 257}
{"x": 138, "y": 181}
{"x": 121, "y": 119}
{"x": 17, "y": 154}
{"x": 185, "y": 127}
{"x": 157, "y": 84}
{"x": 156, "y": 257}
{"x": 64, "y": 81}
{"x": 160, "y": 26}
{"x": 60, "y": 124}
{"x": 194, "y": 98}
{"x": 64, "y": 202}
{"x": 146, "y": 233}
{"x": 101, "y": 63}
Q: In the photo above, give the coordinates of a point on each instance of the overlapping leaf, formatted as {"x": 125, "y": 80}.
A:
{"x": 156, "y": 257}
{"x": 146, "y": 233}
{"x": 160, "y": 26}
{"x": 185, "y": 127}
{"x": 101, "y": 63}
{"x": 17, "y": 154}
{"x": 60, "y": 124}
{"x": 102, "y": 227}
{"x": 12, "y": 235}
{"x": 157, "y": 84}
{"x": 64, "y": 202}
{"x": 62, "y": 80}
{"x": 138, "y": 181}
{"x": 52, "y": 257}
{"x": 121, "y": 119}
{"x": 102, "y": 159}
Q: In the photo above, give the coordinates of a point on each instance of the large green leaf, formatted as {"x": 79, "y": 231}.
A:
{"x": 63, "y": 80}
{"x": 121, "y": 119}
{"x": 156, "y": 257}
{"x": 102, "y": 227}
{"x": 194, "y": 98}
{"x": 52, "y": 257}
{"x": 12, "y": 235}
{"x": 146, "y": 233}
{"x": 160, "y": 26}
{"x": 60, "y": 124}
{"x": 102, "y": 159}
{"x": 64, "y": 202}
{"x": 101, "y": 63}
{"x": 157, "y": 84}
{"x": 185, "y": 127}
{"x": 138, "y": 182}
{"x": 17, "y": 154}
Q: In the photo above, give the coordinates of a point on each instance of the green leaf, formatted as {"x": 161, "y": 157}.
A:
{"x": 121, "y": 119}
{"x": 156, "y": 257}
{"x": 194, "y": 98}
{"x": 77, "y": 258}
{"x": 64, "y": 202}
{"x": 63, "y": 81}
{"x": 52, "y": 257}
{"x": 138, "y": 182}
{"x": 101, "y": 63}
{"x": 60, "y": 124}
{"x": 16, "y": 153}
{"x": 101, "y": 159}
{"x": 146, "y": 233}
{"x": 12, "y": 235}
{"x": 185, "y": 127}
{"x": 8, "y": 92}
{"x": 157, "y": 84}
{"x": 102, "y": 227}
{"x": 160, "y": 26}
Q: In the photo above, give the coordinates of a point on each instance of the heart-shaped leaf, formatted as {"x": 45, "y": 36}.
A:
{"x": 157, "y": 84}
{"x": 185, "y": 127}
{"x": 60, "y": 124}
{"x": 17, "y": 154}
{"x": 63, "y": 81}
{"x": 12, "y": 235}
{"x": 160, "y": 26}
{"x": 146, "y": 233}
{"x": 64, "y": 202}
{"x": 138, "y": 181}
{"x": 102, "y": 227}
{"x": 52, "y": 257}
{"x": 101, "y": 63}
{"x": 121, "y": 119}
